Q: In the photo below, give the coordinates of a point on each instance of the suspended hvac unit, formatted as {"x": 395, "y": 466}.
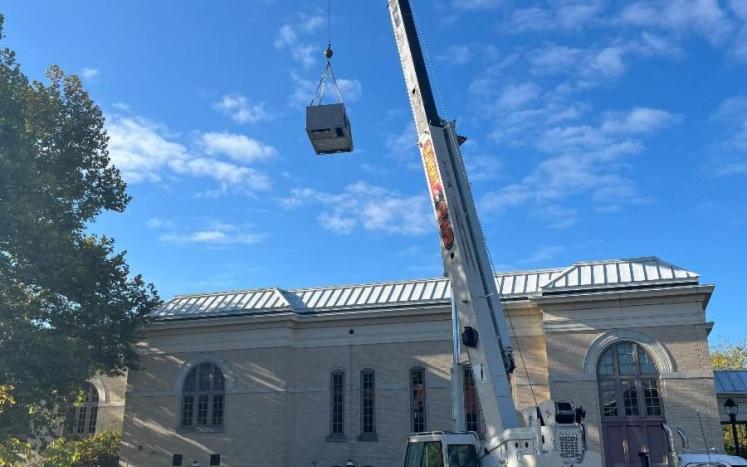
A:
{"x": 328, "y": 125}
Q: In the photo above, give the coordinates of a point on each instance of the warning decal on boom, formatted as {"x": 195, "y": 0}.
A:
{"x": 436, "y": 189}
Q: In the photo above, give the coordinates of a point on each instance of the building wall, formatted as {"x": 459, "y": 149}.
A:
{"x": 111, "y": 391}
{"x": 278, "y": 368}
{"x": 278, "y": 397}
{"x": 672, "y": 329}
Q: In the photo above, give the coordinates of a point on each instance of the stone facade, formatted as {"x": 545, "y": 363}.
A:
{"x": 277, "y": 370}
{"x": 111, "y": 390}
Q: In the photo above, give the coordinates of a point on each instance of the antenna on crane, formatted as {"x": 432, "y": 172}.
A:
{"x": 328, "y": 125}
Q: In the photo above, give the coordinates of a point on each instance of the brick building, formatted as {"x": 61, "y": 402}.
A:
{"x": 319, "y": 377}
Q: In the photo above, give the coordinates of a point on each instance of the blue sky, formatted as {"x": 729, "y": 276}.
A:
{"x": 596, "y": 130}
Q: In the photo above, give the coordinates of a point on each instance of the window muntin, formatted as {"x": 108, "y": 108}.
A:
{"x": 368, "y": 402}
{"x": 82, "y": 418}
{"x": 626, "y": 386}
{"x": 625, "y": 358}
{"x": 417, "y": 400}
{"x": 630, "y": 396}
{"x": 651, "y": 396}
{"x": 203, "y": 397}
{"x": 337, "y": 402}
{"x": 608, "y": 393}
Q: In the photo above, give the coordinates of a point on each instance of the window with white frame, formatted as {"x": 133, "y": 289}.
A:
{"x": 82, "y": 415}
{"x": 203, "y": 397}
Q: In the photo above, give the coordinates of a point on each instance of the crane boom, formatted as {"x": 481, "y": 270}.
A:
{"x": 465, "y": 256}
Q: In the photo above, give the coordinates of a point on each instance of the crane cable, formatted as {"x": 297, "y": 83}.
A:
{"x": 452, "y": 135}
{"x": 327, "y": 73}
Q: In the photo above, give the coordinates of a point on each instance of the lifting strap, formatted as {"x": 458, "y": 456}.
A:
{"x": 321, "y": 88}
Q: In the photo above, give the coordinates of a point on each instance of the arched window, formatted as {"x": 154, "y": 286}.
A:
{"x": 82, "y": 418}
{"x": 203, "y": 396}
{"x": 630, "y": 405}
{"x": 628, "y": 382}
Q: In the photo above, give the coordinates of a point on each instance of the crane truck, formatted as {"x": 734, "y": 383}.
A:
{"x": 552, "y": 434}
{"x": 549, "y": 434}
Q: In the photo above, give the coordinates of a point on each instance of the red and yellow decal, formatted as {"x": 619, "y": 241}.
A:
{"x": 436, "y": 189}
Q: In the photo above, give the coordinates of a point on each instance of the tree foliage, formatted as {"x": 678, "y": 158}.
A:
{"x": 69, "y": 307}
{"x": 101, "y": 449}
{"x": 729, "y": 356}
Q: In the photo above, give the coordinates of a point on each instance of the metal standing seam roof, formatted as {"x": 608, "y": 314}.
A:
{"x": 611, "y": 274}
{"x": 730, "y": 381}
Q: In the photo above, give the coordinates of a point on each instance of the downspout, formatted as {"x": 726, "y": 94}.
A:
{"x": 672, "y": 457}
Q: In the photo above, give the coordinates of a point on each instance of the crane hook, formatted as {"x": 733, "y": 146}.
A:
{"x": 328, "y": 51}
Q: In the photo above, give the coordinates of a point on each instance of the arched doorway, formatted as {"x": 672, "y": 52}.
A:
{"x": 630, "y": 402}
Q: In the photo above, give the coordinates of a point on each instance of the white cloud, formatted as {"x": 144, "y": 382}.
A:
{"x": 514, "y": 96}
{"x": 351, "y": 89}
{"x": 456, "y": 55}
{"x": 368, "y": 207}
{"x": 238, "y": 147}
{"x": 303, "y": 90}
{"x": 403, "y": 147}
{"x": 543, "y": 254}
{"x": 146, "y": 151}
{"x": 730, "y": 151}
{"x": 591, "y": 66}
{"x": 289, "y": 38}
{"x": 482, "y": 167}
{"x": 636, "y": 121}
{"x": 214, "y": 234}
{"x": 476, "y": 4}
{"x": 566, "y": 16}
{"x": 89, "y": 73}
{"x": 583, "y": 160}
{"x": 739, "y": 50}
{"x": 241, "y": 110}
{"x": 228, "y": 174}
{"x": 159, "y": 222}
{"x": 141, "y": 149}
{"x": 557, "y": 216}
{"x": 739, "y": 7}
{"x": 704, "y": 17}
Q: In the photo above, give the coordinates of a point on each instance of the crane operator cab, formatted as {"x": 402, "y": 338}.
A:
{"x": 442, "y": 449}
{"x": 553, "y": 436}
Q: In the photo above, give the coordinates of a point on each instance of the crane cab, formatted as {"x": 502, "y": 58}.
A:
{"x": 328, "y": 128}
{"x": 442, "y": 449}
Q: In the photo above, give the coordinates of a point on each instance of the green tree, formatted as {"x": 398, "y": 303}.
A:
{"x": 731, "y": 356}
{"x": 101, "y": 449}
{"x": 69, "y": 307}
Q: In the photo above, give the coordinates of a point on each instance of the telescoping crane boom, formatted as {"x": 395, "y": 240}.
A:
{"x": 550, "y": 435}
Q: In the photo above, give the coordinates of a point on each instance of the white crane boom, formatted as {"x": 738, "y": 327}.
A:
{"x": 466, "y": 262}
{"x": 465, "y": 256}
